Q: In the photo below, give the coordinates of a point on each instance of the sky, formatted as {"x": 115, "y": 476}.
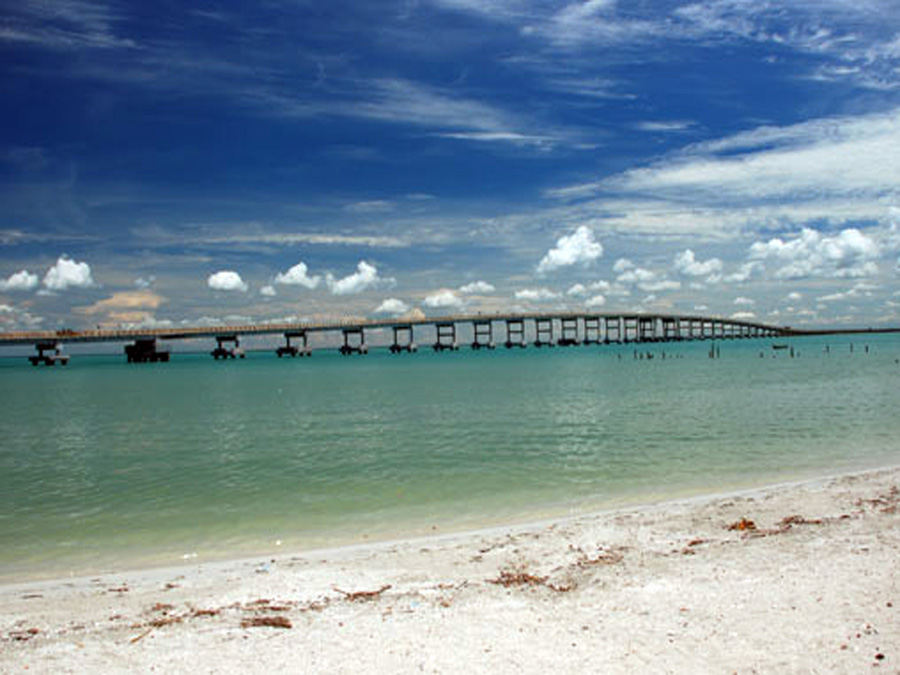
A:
{"x": 172, "y": 163}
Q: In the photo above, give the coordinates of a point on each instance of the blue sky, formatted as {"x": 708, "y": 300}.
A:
{"x": 167, "y": 163}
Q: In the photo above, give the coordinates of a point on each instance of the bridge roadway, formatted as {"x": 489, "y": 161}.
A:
{"x": 548, "y": 328}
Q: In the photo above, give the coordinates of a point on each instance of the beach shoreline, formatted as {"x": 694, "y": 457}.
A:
{"x": 799, "y": 576}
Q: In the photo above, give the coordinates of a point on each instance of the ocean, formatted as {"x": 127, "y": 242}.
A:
{"x": 106, "y": 465}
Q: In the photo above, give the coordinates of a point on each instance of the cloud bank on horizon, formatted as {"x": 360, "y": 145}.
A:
{"x": 394, "y": 158}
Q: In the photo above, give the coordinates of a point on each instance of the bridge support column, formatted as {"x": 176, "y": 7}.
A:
{"x": 352, "y": 335}
{"x": 671, "y": 329}
{"x": 223, "y": 352}
{"x": 646, "y": 329}
{"x": 569, "y": 330}
{"x": 630, "y": 329}
{"x": 591, "y": 330}
{"x": 407, "y": 345}
{"x": 145, "y": 351}
{"x": 446, "y": 336}
{"x": 515, "y": 333}
{"x": 292, "y": 350}
{"x": 613, "y": 329}
{"x": 543, "y": 329}
{"x": 48, "y": 353}
{"x": 484, "y": 334}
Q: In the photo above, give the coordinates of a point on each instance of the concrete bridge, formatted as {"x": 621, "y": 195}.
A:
{"x": 548, "y": 329}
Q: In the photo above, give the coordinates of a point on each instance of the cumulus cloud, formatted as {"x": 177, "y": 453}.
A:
{"x": 365, "y": 277}
{"x": 268, "y": 291}
{"x": 126, "y": 307}
{"x": 743, "y": 316}
{"x": 68, "y": 273}
{"x": 15, "y": 319}
{"x": 580, "y": 247}
{"x": 23, "y": 280}
{"x": 744, "y": 273}
{"x": 298, "y": 275}
{"x": 850, "y": 253}
{"x": 537, "y": 295}
{"x": 596, "y": 301}
{"x": 686, "y": 263}
{"x": 857, "y": 291}
{"x": 393, "y": 307}
{"x": 477, "y": 287}
{"x": 226, "y": 280}
{"x": 443, "y": 299}
{"x": 147, "y": 282}
{"x": 744, "y": 301}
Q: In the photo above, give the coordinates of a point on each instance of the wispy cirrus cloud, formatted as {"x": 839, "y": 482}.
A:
{"x": 63, "y": 24}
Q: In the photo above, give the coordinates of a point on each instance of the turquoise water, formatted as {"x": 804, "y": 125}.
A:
{"x": 105, "y": 464}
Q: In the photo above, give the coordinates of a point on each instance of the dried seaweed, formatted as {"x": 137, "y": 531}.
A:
{"x": 267, "y": 621}
{"x": 362, "y": 596}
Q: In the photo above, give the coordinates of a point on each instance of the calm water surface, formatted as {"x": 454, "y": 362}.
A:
{"x": 104, "y": 464}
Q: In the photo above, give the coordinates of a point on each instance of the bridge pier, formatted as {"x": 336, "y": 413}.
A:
{"x": 671, "y": 329}
{"x": 646, "y": 329}
{"x": 446, "y": 336}
{"x": 515, "y": 333}
{"x": 408, "y": 345}
{"x": 145, "y": 351}
{"x": 591, "y": 330}
{"x": 484, "y": 334}
{"x": 569, "y": 330}
{"x": 543, "y": 329}
{"x": 48, "y": 353}
{"x": 348, "y": 347}
{"x": 613, "y": 330}
{"x": 630, "y": 329}
{"x": 291, "y": 350}
{"x": 223, "y": 352}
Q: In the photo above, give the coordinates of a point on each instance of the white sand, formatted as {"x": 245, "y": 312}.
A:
{"x": 665, "y": 588}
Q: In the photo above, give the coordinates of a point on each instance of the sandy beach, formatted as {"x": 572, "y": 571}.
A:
{"x": 791, "y": 578}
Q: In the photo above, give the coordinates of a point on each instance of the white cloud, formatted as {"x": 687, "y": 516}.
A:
{"x": 577, "y": 289}
{"x": 268, "y": 291}
{"x": 392, "y": 306}
{"x": 145, "y": 283}
{"x": 622, "y": 265}
{"x": 596, "y": 301}
{"x": 744, "y": 273}
{"x": 857, "y": 291}
{"x": 794, "y": 296}
{"x": 660, "y": 285}
{"x": 537, "y": 295}
{"x": 373, "y": 206}
{"x": 226, "y": 280}
{"x": 298, "y": 275}
{"x": 658, "y": 127}
{"x": 477, "y": 287}
{"x": 838, "y": 171}
{"x": 23, "y": 280}
{"x": 686, "y": 263}
{"x": 578, "y": 247}
{"x": 850, "y": 253}
{"x": 744, "y": 301}
{"x": 444, "y": 298}
{"x": 743, "y": 316}
{"x": 67, "y": 273}
{"x": 15, "y": 319}
{"x": 636, "y": 275}
{"x": 365, "y": 277}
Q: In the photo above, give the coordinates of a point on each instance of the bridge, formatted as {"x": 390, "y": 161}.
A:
{"x": 548, "y": 329}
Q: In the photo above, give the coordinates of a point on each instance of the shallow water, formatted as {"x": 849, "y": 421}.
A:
{"x": 105, "y": 464}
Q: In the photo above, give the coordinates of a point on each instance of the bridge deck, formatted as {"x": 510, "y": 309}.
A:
{"x": 355, "y": 323}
